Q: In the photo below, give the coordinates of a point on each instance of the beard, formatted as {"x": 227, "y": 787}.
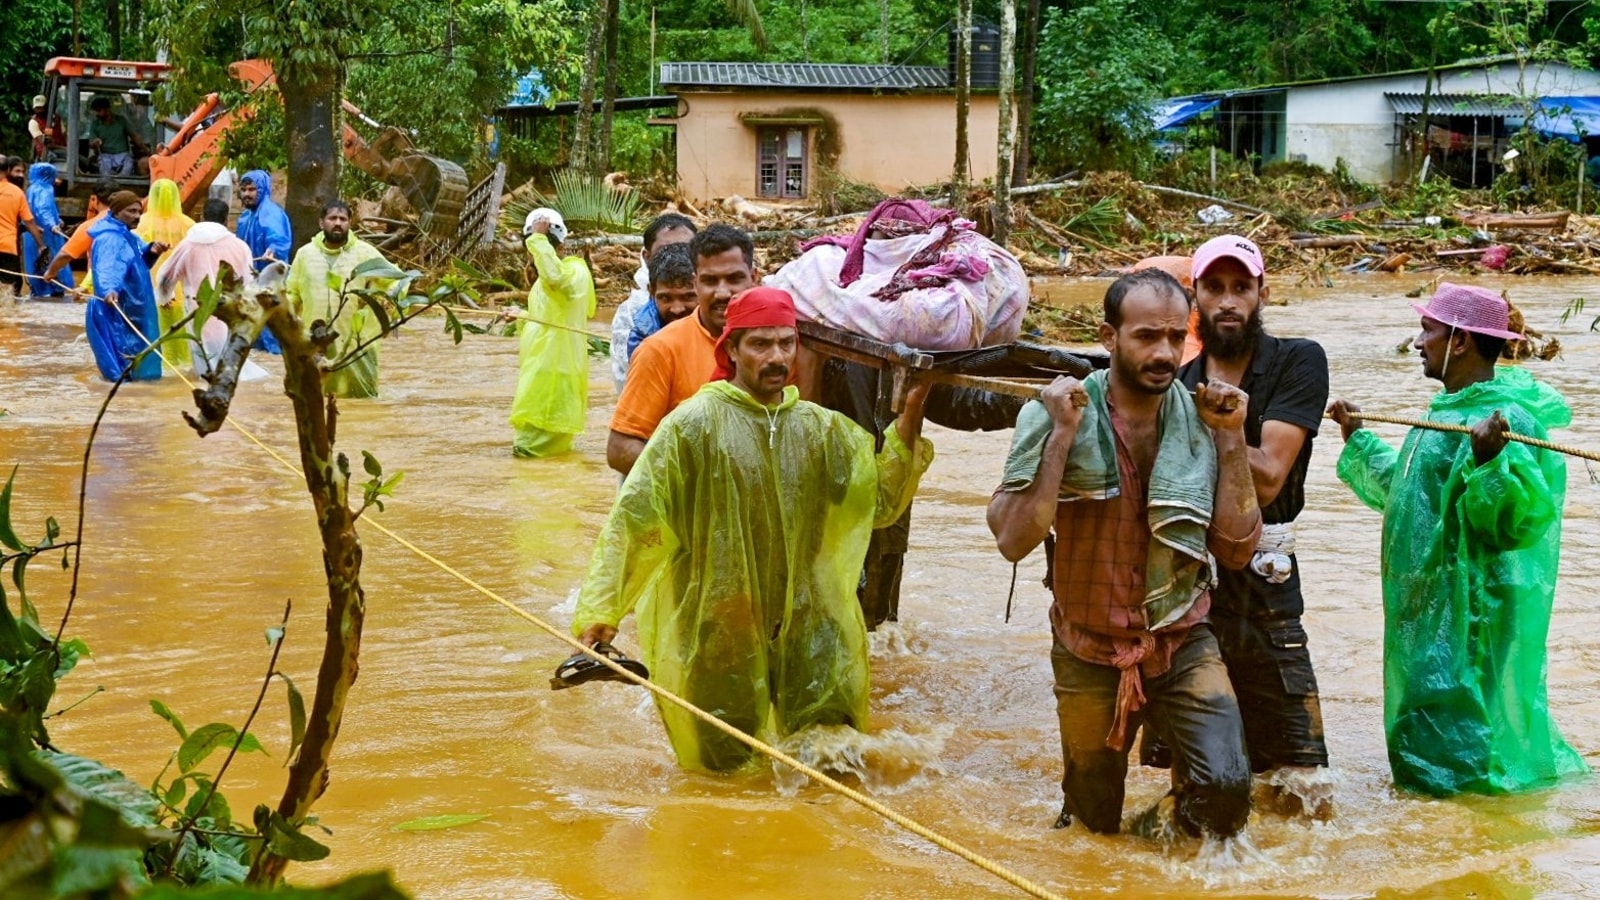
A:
{"x": 1140, "y": 377}
{"x": 1233, "y": 344}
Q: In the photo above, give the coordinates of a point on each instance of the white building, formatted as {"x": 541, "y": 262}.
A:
{"x": 1473, "y": 107}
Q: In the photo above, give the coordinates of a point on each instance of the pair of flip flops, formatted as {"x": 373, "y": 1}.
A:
{"x": 580, "y": 668}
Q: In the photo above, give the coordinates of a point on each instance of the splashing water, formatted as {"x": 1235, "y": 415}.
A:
{"x": 884, "y": 762}
{"x": 1231, "y": 860}
{"x": 1297, "y": 792}
{"x": 894, "y": 639}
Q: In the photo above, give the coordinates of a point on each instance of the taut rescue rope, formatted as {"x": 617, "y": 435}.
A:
{"x": 1467, "y": 429}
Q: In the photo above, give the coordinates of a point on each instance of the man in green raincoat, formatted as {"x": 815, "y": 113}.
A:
{"x": 553, "y": 384}
{"x": 1471, "y": 542}
{"x": 322, "y": 271}
{"x": 739, "y": 535}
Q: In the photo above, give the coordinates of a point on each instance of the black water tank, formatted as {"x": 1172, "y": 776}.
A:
{"x": 985, "y": 56}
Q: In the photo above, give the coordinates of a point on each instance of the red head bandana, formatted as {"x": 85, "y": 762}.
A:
{"x": 759, "y": 307}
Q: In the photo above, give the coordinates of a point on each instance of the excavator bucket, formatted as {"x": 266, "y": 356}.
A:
{"x": 436, "y": 188}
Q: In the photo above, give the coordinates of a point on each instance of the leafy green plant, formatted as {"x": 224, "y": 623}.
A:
{"x": 1101, "y": 219}
{"x": 1575, "y": 308}
{"x": 586, "y": 203}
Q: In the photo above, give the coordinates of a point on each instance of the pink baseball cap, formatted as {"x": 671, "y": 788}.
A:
{"x": 1469, "y": 308}
{"x": 1228, "y": 245}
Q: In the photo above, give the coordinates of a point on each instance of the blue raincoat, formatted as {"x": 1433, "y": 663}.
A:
{"x": 264, "y": 229}
{"x": 42, "y": 200}
{"x": 117, "y": 263}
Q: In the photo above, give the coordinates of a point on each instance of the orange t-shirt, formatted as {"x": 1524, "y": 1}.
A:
{"x": 78, "y": 245}
{"x": 13, "y": 206}
{"x": 669, "y": 367}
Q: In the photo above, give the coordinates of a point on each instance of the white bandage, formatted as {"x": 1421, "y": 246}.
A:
{"x": 1272, "y": 560}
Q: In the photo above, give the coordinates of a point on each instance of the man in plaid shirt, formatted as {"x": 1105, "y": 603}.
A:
{"x": 1132, "y": 644}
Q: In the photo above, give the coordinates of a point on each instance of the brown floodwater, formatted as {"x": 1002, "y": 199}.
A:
{"x": 192, "y": 547}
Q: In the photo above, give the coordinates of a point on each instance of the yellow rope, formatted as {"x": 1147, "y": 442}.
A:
{"x": 518, "y": 314}
{"x": 1467, "y": 429}
{"x": 1018, "y": 881}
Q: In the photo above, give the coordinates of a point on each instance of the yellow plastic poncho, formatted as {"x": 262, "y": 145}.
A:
{"x": 315, "y": 279}
{"x": 553, "y": 384}
{"x": 739, "y": 535}
{"x": 1470, "y": 555}
{"x": 164, "y": 222}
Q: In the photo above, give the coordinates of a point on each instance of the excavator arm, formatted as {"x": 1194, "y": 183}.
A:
{"x": 193, "y": 156}
{"x": 436, "y": 188}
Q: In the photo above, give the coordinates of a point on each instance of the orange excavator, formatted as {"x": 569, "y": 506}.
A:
{"x": 189, "y": 151}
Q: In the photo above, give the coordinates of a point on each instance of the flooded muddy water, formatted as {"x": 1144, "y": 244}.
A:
{"x": 192, "y": 547}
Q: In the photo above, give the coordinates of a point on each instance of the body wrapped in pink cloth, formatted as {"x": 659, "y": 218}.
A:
{"x": 913, "y": 274}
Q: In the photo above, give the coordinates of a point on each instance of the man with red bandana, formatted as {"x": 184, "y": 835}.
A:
{"x": 739, "y": 536}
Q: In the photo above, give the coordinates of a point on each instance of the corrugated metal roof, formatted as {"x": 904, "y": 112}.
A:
{"x": 1495, "y": 105}
{"x": 802, "y": 75}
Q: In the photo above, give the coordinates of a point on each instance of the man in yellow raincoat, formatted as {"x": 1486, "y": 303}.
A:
{"x": 739, "y": 535}
{"x": 318, "y": 279}
{"x": 553, "y": 385}
{"x": 164, "y": 222}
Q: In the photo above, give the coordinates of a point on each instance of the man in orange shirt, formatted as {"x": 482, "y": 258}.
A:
{"x": 14, "y": 209}
{"x": 672, "y": 364}
{"x": 77, "y": 246}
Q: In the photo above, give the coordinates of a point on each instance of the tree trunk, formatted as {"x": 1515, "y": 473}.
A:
{"x": 1002, "y": 169}
{"x": 805, "y": 35}
{"x": 609, "y": 103}
{"x": 316, "y": 418}
{"x": 114, "y": 26}
{"x": 327, "y": 478}
{"x": 1030, "y": 60}
{"x": 580, "y": 157}
{"x": 963, "y": 168}
{"x": 312, "y": 129}
{"x": 883, "y": 31}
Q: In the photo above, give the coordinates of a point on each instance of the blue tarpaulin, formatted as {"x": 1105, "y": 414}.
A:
{"x": 1172, "y": 113}
{"x": 1568, "y": 117}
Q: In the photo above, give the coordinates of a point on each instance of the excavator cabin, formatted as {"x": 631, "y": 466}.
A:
{"x": 73, "y": 90}
{"x": 90, "y": 104}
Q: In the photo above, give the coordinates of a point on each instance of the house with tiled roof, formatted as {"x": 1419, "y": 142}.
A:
{"x": 782, "y": 131}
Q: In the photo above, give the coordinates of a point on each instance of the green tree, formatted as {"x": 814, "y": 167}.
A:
{"x": 34, "y": 31}
{"x": 309, "y": 45}
{"x": 1100, "y": 69}
{"x": 440, "y": 69}
{"x": 315, "y": 47}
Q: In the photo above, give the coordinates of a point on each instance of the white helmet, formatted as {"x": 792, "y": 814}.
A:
{"x": 558, "y": 225}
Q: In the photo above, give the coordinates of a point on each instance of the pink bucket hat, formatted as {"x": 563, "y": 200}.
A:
{"x": 1469, "y": 308}
{"x": 1229, "y": 245}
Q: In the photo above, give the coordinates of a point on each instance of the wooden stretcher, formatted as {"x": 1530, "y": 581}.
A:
{"x": 1019, "y": 369}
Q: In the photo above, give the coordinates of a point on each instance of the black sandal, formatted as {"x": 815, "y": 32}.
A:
{"x": 580, "y": 668}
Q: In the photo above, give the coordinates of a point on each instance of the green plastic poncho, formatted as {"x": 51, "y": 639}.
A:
{"x": 739, "y": 535}
{"x": 1469, "y": 569}
{"x": 553, "y": 385}
{"x": 315, "y": 279}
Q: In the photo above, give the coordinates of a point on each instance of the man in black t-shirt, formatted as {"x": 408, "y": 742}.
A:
{"x": 1256, "y": 611}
